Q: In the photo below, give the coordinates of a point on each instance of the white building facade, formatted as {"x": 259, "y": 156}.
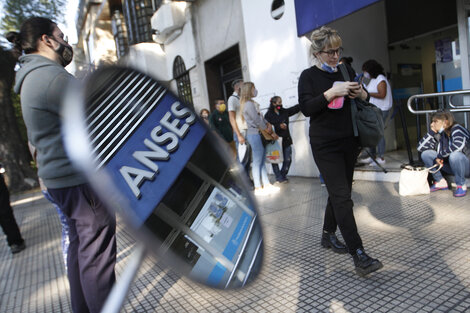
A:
{"x": 199, "y": 47}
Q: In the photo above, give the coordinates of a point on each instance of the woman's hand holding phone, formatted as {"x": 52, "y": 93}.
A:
{"x": 355, "y": 90}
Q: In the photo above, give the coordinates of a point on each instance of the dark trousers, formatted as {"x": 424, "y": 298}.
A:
{"x": 287, "y": 156}
{"x": 335, "y": 160}
{"x": 92, "y": 250}
{"x": 7, "y": 219}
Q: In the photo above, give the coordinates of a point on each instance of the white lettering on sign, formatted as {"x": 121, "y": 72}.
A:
{"x": 173, "y": 122}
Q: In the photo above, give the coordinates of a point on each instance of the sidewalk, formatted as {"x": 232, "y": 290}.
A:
{"x": 423, "y": 242}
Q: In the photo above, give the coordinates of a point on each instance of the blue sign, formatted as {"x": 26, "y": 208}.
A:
{"x": 232, "y": 247}
{"x": 152, "y": 158}
{"x": 312, "y": 14}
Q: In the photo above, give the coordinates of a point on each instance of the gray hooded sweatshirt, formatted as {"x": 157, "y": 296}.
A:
{"x": 41, "y": 84}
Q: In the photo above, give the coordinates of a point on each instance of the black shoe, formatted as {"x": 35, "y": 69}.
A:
{"x": 364, "y": 263}
{"x": 329, "y": 240}
{"x": 15, "y": 248}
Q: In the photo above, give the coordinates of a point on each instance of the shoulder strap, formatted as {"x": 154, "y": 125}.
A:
{"x": 345, "y": 73}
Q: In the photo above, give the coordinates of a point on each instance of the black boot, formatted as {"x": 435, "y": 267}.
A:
{"x": 329, "y": 240}
{"x": 364, "y": 263}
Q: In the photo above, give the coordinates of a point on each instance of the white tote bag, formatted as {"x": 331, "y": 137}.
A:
{"x": 414, "y": 180}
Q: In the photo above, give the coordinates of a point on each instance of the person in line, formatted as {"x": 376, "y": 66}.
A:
{"x": 235, "y": 115}
{"x": 381, "y": 96}
{"x": 279, "y": 118}
{"x": 62, "y": 217}
{"x": 204, "y": 114}
{"x": 325, "y": 96}
{"x": 448, "y": 144}
{"x": 220, "y": 122}
{"x": 239, "y": 128}
{"x": 255, "y": 123}
{"x": 8, "y": 222}
{"x": 41, "y": 81}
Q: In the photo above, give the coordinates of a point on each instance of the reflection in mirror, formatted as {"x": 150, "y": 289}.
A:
{"x": 172, "y": 180}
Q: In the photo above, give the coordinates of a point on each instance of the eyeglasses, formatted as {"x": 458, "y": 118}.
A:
{"x": 332, "y": 52}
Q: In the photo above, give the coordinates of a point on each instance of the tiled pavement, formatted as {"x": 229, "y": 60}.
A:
{"x": 423, "y": 241}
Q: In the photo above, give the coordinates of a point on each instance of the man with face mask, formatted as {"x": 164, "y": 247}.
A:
{"x": 220, "y": 122}
{"x": 41, "y": 81}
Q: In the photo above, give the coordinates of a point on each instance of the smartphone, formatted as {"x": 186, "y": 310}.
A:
{"x": 359, "y": 78}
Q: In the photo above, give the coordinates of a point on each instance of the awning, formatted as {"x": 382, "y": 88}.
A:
{"x": 312, "y": 14}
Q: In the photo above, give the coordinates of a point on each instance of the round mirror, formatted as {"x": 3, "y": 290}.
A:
{"x": 173, "y": 181}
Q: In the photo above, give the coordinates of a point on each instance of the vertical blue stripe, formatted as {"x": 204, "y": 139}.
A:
{"x": 232, "y": 246}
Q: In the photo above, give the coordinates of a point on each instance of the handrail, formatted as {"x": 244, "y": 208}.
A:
{"x": 463, "y": 108}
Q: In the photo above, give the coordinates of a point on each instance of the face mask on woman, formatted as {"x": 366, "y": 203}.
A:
{"x": 366, "y": 75}
{"x": 255, "y": 93}
{"x": 328, "y": 68}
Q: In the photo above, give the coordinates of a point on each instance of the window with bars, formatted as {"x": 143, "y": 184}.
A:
{"x": 119, "y": 33}
{"x": 183, "y": 82}
{"x": 137, "y": 14}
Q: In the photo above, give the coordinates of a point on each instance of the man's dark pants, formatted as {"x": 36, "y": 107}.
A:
{"x": 7, "y": 219}
{"x": 92, "y": 251}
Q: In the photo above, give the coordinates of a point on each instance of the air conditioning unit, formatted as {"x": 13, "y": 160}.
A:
{"x": 168, "y": 21}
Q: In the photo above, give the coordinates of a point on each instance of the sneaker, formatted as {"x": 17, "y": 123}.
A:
{"x": 365, "y": 161}
{"x": 15, "y": 248}
{"x": 269, "y": 189}
{"x": 260, "y": 192}
{"x": 440, "y": 185}
{"x": 461, "y": 191}
{"x": 379, "y": 160}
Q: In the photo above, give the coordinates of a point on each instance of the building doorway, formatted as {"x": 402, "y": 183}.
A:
{"x": 221, "y": 71}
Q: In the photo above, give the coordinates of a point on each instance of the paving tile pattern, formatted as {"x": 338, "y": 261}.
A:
{"x": 423, "y": 241}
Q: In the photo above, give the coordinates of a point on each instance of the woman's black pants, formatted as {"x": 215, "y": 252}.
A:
{"x": 335, "y": 160}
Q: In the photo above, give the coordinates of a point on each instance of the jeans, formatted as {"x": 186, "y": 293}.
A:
{"x": 245, "y": 166}
{"x": 65, "y": 227}
{"x": 457, "y": 164}
{"x": 380, "y": 150}
{"x": 281, "y": 174}
{"x": 258, "y": 167}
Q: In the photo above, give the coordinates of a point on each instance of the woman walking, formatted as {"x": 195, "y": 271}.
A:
{"x": 324, "y": 96}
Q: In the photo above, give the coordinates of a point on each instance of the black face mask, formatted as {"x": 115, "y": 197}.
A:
{"x": 278, "y": 107}
{"x": 65, "y": 53}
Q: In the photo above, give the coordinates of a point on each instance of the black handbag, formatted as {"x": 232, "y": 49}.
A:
{"x": 366, "y": 118}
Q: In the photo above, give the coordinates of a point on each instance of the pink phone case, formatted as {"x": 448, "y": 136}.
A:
{"x": 337, "y": 103}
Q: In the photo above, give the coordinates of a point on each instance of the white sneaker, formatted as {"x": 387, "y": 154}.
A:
{"x": 366, "y": 160}
{"x": 381, "y": 161}
{"x": 260, "y": 192}
{"x": 271, "y": 189}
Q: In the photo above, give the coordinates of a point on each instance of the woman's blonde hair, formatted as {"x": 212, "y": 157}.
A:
{"x": 322, "y": 38}
{"x": 246, "y": 94}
